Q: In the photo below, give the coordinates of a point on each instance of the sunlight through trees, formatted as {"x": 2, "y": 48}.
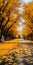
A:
{"x": 16, "y": 19}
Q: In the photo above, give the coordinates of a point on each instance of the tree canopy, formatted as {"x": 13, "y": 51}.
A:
{"x": 28, "y": 16}
{"x": 13, "y": 13}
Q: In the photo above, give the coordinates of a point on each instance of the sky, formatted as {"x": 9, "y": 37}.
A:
{"x": 27, "y": 1}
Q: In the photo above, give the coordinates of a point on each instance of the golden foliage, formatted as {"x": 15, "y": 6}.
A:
{"x": 28, "y": 16}
{"x": 10, "y": 15}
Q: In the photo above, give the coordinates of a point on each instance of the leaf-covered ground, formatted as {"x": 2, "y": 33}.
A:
{"x": 16, "y": 54}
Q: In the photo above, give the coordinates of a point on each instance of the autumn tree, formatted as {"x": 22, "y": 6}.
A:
{"x": 8, "y": 17}
{"x": 28, "y": 16}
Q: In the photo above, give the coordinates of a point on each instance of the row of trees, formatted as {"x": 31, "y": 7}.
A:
{"x": 9, "y": 16}
{"x": 28, "y": 16}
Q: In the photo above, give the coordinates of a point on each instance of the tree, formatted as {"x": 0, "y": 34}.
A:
{"x": 28, "y": 16}
{"x": 8, "y": 16}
